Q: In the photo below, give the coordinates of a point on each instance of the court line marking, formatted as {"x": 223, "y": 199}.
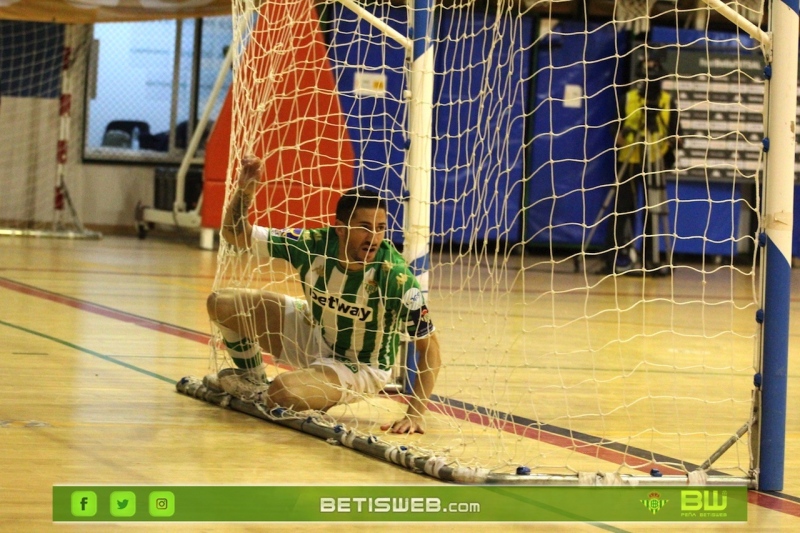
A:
{"x": 711, "y": 297}
{"x": 109, "y": 312}
{"x": 88, "y": 351}
{"x": 583, "y": 443}
{"x": 780, "y": 502}
{"x": 586, "y": 444}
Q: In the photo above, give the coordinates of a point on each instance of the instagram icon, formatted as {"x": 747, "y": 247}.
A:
{"x": 162, "y": 503}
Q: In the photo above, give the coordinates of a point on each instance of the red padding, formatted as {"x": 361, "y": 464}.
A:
{"x": 306, "y": 148}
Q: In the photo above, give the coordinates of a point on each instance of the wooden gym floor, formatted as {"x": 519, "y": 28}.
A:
{"x": 95, "y": 334}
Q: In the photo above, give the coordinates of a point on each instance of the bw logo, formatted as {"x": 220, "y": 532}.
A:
{"x": 654, "y": 503}
{"x": 707, "y": 500}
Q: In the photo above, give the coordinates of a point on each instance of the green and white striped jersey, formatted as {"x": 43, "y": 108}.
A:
{"x": 360, "y": 313}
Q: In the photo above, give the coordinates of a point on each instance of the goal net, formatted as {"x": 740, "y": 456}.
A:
{"x": 571, "y": 349}
{"x": 40, "y": 62}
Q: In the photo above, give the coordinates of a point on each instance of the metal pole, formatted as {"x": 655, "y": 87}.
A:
{"x": 416, "y": 242}
{"x": 781, "y": 73}
{"x": 197, "y": 135}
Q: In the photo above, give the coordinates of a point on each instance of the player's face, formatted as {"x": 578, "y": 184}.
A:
{"x": 362, "y": 236}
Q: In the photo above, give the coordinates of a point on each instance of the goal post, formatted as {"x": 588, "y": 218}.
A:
{"x": 416, "y": 237}
{"x": 496, "y": 132}
{"x": 778, "y": 225}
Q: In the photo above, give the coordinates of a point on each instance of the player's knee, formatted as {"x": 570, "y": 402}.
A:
{"x": 211, "y": 305}
{"x": 284, "y": 394}
{"x": 219, "y": 307}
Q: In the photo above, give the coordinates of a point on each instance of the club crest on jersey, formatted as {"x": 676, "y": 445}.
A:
{"x": 341, "y": 307}
{"x": 371, "y": 287}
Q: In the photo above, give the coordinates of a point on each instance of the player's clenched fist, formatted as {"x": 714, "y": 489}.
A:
{"x": 250, "y": 173}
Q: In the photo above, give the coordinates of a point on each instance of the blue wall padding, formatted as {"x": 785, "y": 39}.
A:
{"x": 705, "y": 217}
{"x": 573, "y": 159}
{"x": 376, "y": 125}
{"x": 697, "y": 201}
{"x": 713, "y": 40}
{"x": 796, "y": 225}
{"x": 20, "y": 44}
{"x": 702, "y": 219}
{"x": 478, "y": 166}
{"x": 477, "y": 173}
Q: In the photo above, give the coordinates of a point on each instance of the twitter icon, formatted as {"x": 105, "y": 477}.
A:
{"x": 123, "y": 503}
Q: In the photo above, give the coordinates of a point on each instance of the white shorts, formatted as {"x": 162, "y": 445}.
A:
{"x": 303, "y": 347}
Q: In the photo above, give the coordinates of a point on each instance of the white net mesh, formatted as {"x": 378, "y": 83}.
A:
{"x": 752, "y": 9}
{"x": 566, "y": 346}
{"x": 633, "y": 15}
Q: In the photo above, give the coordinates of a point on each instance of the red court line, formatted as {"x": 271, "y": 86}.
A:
{"x": 773, "y": 502}
{"x": 585, "y": 448}
{"x": 104, "y": 272}
{"x": 107, "y": 312}
{"x": 761, "y": 499}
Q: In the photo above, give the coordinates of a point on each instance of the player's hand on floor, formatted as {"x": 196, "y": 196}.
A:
{"x": 408, "y": 424}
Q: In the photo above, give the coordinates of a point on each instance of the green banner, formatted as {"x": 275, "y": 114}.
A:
{"x": 447, "y": 503}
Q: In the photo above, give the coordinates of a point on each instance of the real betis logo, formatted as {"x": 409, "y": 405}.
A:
{"x": 654, "y": 503}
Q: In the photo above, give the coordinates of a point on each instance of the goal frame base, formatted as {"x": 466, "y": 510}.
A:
{"x": 434, "y": 466}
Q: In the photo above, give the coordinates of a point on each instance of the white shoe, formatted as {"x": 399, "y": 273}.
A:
{"x": 240, "y": 382}
{"x": 211, "y": 382}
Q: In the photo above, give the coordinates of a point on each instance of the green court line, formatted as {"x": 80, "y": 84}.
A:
{"x": 90, "y": 352}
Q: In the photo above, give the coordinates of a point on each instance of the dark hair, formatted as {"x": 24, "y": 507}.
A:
{"x": 357, "y": 198}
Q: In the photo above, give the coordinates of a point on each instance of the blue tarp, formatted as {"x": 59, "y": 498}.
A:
{"x": 478, "y": 161}
{"x": 477, "y": 179}
{"x": 573, "y": 159}
{"x": 376, "y": 124}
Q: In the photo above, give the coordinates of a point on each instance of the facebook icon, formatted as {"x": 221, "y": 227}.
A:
{"x": 83, "y": 503}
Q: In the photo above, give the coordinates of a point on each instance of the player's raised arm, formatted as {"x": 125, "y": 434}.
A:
{"x": 236, "y": 228}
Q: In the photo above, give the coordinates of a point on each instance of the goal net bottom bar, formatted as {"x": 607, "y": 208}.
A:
{"x": 432, "y": 465}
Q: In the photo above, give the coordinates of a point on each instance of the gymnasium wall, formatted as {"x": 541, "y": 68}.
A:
{"x": 557, "y": 194}
{"x": 104, "y": 195}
